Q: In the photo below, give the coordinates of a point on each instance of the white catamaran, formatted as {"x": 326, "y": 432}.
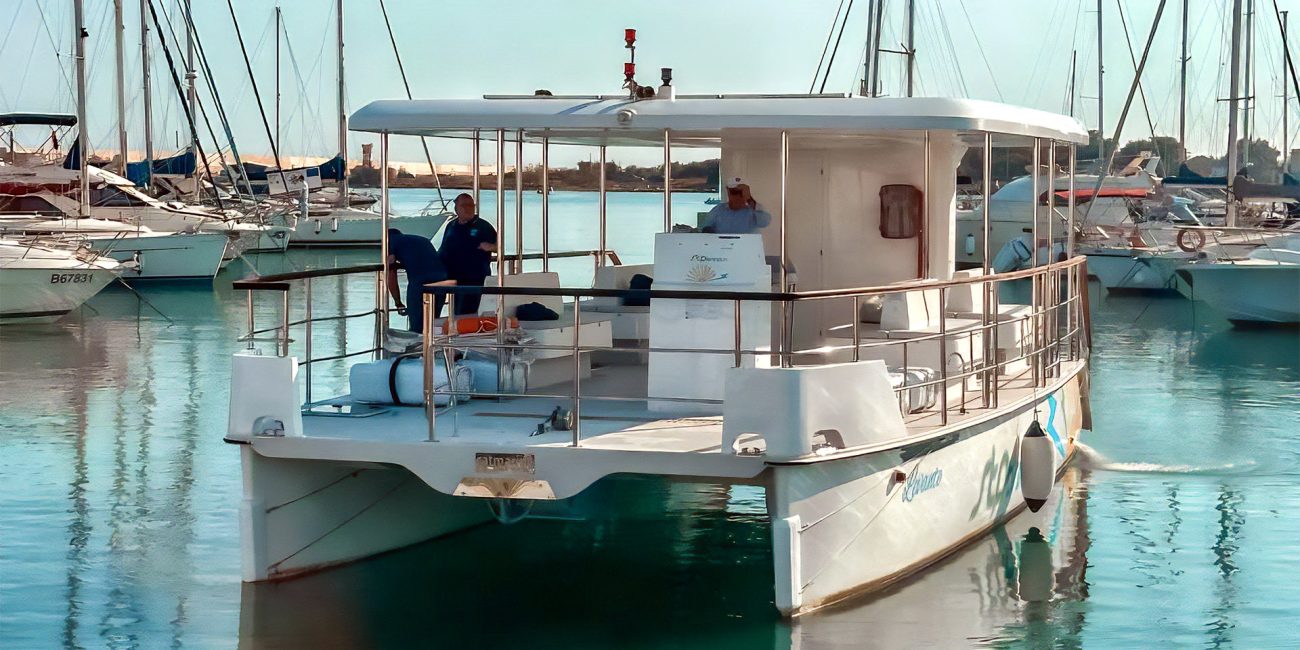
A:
{"x": 892, "y": 408}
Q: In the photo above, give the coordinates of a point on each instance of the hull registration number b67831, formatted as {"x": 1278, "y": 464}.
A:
{"x": 70, "y": 278}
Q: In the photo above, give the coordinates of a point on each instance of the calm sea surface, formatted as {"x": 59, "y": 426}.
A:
{"x": 118, "y": 502}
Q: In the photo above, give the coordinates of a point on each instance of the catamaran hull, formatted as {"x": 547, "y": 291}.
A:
{"x": 840, "y": 526}
{"x": 171, "y": 257}
{"x": 45, "y": 295}
{"x": 1248, "y": 294}
{"x": 850, "y": 526}
{"x": 352, "y": 230}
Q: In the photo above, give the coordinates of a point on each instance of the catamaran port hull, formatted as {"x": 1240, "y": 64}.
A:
{"x": 841, "y": 524}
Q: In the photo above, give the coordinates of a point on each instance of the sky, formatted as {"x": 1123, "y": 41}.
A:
{"x": 1015, "y": 51}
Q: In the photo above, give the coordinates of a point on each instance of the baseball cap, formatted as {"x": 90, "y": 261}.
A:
{"x": 734, "y": 182}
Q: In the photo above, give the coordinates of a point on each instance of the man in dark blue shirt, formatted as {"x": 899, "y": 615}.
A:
{"x": 466, "y": 250}
{"x": 423, "y": 265}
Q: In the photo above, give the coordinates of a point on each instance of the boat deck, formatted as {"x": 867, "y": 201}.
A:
{"x": 616, "y": 425}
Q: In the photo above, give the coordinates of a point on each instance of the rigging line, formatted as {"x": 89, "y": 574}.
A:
{"x": 836, "y": 49}
{"x": 304, "y": 107}
{"x": 208, "y": 79}
{"x": 203, "y": 113}
{"x": 979, "y": 46}
{"x": 180, "y": 92}
{"x": 424, "y": 142}
{"x": 1289, "y": 63}
{"x": 55, "y": 44}
{"x": 275, "y": 150}
{"x": 835, "y": 21}
{"x": 201, "y": 53}
{"x": 1132, "y": 56}
{"x": 952, "y": 50}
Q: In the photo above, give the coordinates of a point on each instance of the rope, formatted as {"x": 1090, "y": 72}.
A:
{"x": 980, "y": 47}
{"x": 239, "y": 36}
{"x": 836, "y": 49}
{"x": 423, "y": 141}
{"x": 821, "y": 60}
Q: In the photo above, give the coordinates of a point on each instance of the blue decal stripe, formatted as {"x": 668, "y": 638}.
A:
{"x": 1051, "y": 426}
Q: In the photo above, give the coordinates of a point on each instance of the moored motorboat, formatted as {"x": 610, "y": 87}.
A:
{"x": 1262, "y": 289}
{"x": 882, "y": 406}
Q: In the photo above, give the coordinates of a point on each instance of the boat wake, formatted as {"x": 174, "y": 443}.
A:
{"x": 1092, "y": 459}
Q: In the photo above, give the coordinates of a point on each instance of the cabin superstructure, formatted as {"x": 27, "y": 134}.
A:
{"x": 836, "y": 357}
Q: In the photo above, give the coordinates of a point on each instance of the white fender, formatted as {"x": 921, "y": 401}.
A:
{"x": 1036, "y": 471}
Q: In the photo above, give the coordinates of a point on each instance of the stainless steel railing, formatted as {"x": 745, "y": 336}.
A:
{"x": 1056, "y": 321}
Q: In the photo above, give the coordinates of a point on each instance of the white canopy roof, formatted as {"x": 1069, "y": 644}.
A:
{"x": 703, "y": 120}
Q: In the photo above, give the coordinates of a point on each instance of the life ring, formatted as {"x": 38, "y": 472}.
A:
{"x": 477, "y": 324}
{"x": 1191, "y": 241}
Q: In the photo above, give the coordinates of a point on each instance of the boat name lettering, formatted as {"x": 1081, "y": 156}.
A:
{"x": 918, "y": 484}
{"x": 504, "y": 464}
{"x": 706, "y": 258}
{"x": 69, "y": 278}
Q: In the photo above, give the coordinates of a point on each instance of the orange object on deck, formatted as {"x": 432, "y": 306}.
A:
{"x": 477, "y": 324}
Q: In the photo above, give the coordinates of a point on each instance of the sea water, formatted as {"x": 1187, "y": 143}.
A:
{"x": 119, "y": 501}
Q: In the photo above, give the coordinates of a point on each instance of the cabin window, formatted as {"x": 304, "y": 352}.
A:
{"x": 27, "y": 205}
{"x": 112, "y": 197}
{"x": 900, "y": 211}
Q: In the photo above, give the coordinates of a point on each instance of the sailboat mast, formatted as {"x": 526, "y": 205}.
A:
{"x": 866, "y": 62}
{"x": 911, "y": 44}
{"x": 192, "y": 96}
{"x": 1101, "y": 92}
{"x": 119, "y": 42}
{"x": 1234, "y": 81}
{"x": 278, "y": 18}
{"x": 148, "y": 93}
{"x": 1286, "y": 131}
{"x": 343, "y": 114}
{"x": 1245, "y": 94}
{"x": 1182, "y": 87}
{"x": 1074, "y": 57}
{"x": 79, "y": 39}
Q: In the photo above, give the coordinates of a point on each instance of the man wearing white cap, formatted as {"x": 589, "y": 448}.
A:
{"x": 740, "y": 215}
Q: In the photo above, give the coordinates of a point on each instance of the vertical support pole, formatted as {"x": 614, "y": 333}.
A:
{"x": 427, "y": 348}
{"x": 857, "y": 333}
{"x": 546, "y": 204}
{"x": 474, "y": 163}
{"x": 306, "y": 317}
{"x": 278, "y": 18}
{"x": 1051, "y": 195}
{"x": 1070, "y": 234}
{"x": 736, "y": 313}
{"x": 668, "y": 182}
{"x": 923, "y": 233}
{"x": 785, "y": 304}
{"x": 1037, "y": 171}
{"x": 501, "y": 202}
{"x": 943, "y": 358}
{"x": 519, "y": 201}
{"x": 385, "y": 204}
{"x": 990, "y": 304}
{"x": 577, "y": 372}
{"x": 601, "y": 208}
{"x": 284, "y": 323}
{"x": 251, "y": 320}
